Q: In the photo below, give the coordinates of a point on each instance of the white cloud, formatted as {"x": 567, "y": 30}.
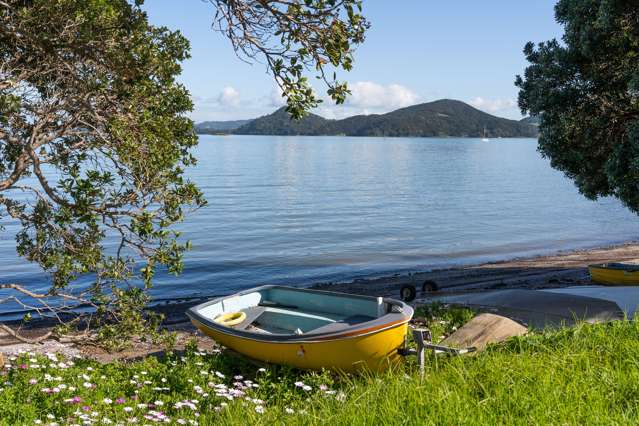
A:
{"x": 367, "y": 98}
{"x": 370, "y": 95}
{"x": 226, "y": 105}
{"x": 275, "y": 98}
{"x": 229, "y": 97}
{"x": 500, "y": 106}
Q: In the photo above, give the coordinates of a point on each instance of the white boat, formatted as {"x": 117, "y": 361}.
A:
{"x": 627, "y": 297}
{"x": 553, "y": 307}
{"x": 485, "y": 139}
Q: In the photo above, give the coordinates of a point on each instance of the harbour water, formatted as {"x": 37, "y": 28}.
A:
{"x": 297, "y": 210}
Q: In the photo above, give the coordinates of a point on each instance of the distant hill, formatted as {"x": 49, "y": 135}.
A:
{"x": 280, "y": 123}
{"x": 440, "y": 118}
{"x": 530, "y": 120}
{"x": 208, "y": 127}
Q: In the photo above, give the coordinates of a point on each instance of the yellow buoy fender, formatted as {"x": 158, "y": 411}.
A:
{"x": 230, "y": 319}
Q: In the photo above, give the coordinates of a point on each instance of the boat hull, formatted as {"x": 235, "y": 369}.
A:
{"x": 610, "y": 276}
{"x": 375, "y": 351}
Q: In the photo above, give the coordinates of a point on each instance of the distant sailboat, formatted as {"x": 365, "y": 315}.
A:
{"x": 485, "y": 139}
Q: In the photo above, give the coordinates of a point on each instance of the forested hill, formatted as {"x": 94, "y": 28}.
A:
{"x": 214, "y": 127}
{"x": 531, "y": 120}
{"x": 439, "y": 118}
{"x": 280, "y": 123}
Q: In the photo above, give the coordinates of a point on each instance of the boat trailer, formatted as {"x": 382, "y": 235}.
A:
{"x": 423, "y": 338}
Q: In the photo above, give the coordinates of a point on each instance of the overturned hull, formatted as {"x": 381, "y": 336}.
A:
{"x": 541, "y": 308}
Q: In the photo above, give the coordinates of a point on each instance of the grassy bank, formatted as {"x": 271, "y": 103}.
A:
{"x": 585, "y": 375}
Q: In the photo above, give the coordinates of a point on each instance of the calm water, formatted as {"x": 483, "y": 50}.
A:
{"x": 297, "y": 210}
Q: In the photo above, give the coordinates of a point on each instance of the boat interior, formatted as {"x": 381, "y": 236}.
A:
{"x": 278, "y": 310}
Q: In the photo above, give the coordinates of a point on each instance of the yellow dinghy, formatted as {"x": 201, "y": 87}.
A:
{"x": 615, "y": 273}
{"x": 307, "y": 329}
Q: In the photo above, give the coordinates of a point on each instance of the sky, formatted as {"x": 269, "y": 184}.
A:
{"x": 416, "y": 51}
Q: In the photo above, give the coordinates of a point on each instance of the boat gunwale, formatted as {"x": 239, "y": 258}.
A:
{"x": 616, "y": 266}
{"x": 376, "y": 325}
{"x": 327, "y": 339}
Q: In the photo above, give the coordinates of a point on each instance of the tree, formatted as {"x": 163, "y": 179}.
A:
{"x": 94, "y": 136}
{"x": 294, "y": 36}
{"x": 586, "y": 92}
{"x": 94, "y": 140}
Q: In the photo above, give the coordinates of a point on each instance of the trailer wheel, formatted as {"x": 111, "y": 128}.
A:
{"x": 430, "y": 285}
{"x": 408, "y": 292}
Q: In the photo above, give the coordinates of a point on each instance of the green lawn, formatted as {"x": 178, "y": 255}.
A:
{"x": 585, "y": 375}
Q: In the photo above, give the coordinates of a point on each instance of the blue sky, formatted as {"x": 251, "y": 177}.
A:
{"x": 416, "y": 51}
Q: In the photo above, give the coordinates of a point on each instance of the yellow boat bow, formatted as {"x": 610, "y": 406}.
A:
{"x": 615, "y": 273}
{"x": 307, "y": 329}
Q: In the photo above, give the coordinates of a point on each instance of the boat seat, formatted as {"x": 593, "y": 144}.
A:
{"x": 342, "y": 324}
{"x": 251, "y": 315}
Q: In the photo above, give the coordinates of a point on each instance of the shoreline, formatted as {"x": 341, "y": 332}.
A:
{"x": 559, "y": 269}
{"x": 562, "y": 269}
{"x": 361, "y": 136}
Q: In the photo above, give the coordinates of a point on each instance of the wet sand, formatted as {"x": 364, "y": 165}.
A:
{"x": 558, "y": 270}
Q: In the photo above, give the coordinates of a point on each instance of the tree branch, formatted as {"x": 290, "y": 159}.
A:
{"x": 23, "y": 339}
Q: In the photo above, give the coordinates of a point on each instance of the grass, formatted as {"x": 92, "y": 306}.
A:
{"x": 584, "y": 375}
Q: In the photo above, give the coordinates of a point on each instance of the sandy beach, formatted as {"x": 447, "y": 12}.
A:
{"x": 558, "y": 270}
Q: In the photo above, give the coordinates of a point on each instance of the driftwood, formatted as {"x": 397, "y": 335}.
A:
{"x": 41, "y": 307}
{"x": 483, "y": 330}
{"x": 16, "y": 335}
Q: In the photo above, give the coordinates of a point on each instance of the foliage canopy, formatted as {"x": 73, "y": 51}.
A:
{"x": 586, "y": 92}
{"x": 95, "y": 141}
{"x": 294, "y": 36}
{"x": 93, "y": 133}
